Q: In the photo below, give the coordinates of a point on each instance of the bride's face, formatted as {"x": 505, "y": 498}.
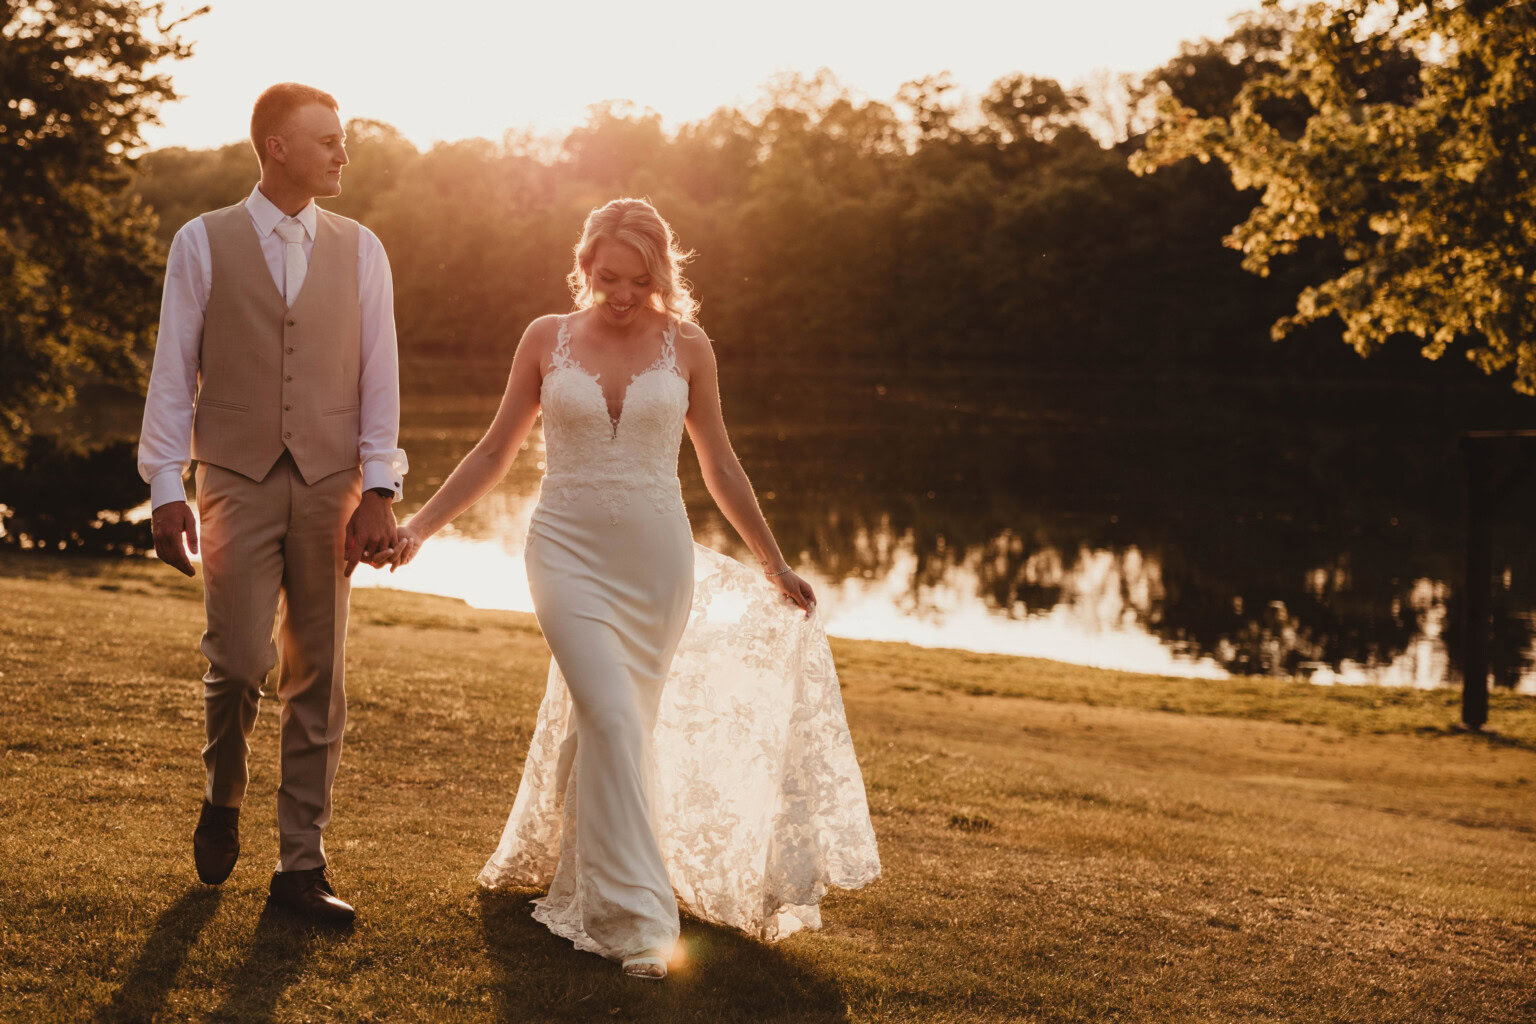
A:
{"x": 621, "y": 285}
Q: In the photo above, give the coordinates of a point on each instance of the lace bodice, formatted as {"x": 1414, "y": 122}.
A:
{"x": 592, "y": 455}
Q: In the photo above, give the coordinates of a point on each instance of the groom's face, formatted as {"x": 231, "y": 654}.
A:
{"x": 315, "y": 150}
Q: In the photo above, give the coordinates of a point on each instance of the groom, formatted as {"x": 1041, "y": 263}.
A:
{"x": 276, "y": 370}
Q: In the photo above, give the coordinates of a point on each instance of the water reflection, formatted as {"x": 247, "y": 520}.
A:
{"x": 1093, "y": 626}
{"x": 1103, "y": 607}
{"x": 1098, "y": 607}
{"x": 1215, "y": 529}
{"x": 1245, "y": 538}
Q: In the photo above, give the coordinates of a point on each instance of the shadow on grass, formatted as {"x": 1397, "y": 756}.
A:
{"x": 154, "y": 973}
{"x": 1491, "y": 737}
{"x": 276, "y": 954}
{"x": 723, "y": 976}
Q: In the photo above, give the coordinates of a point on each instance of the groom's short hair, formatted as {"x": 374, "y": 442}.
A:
{"x": 276, "y": 104}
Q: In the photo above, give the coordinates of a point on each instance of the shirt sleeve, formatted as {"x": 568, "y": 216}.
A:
{"x": 378, "y": 399}
{"x": 165, "y": 438}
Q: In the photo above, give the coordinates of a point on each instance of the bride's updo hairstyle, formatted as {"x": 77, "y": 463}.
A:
{"x": 636, "y": 223}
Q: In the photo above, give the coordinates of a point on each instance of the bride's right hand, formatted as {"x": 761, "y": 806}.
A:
{"x": 407, "y": 542}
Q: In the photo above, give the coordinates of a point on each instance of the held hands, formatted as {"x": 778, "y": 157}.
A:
{"x": 408, "y": 541}
{"x": 795, "y": 590}
{"x": 370, "y": 533}
{"x": 169, "y": 523}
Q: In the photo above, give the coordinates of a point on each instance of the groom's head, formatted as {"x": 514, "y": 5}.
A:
{"x": 299, "y": 139}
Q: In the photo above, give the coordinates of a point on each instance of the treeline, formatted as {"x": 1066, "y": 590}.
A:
{"x": 833, "y": 231}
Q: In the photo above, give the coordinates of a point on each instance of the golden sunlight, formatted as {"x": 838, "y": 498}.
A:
{"x": 493, "y": 66}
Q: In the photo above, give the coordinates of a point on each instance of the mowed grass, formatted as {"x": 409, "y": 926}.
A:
{"x": 1059, "y": 844}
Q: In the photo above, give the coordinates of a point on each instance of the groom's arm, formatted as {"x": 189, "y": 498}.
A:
{"x": 378, "y": 399}
{"x": 165, "y": 437}
{"x": 371, "y": 530}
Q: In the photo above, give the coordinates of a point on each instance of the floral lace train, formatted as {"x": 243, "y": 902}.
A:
{"x": 760, "y": 804}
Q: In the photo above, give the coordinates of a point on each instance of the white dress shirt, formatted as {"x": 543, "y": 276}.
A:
{"x": 165, "y": 442}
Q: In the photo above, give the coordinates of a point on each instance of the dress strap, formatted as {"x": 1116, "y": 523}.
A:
{"x": 669, "y": 346}
{"x": 562, "y": 353}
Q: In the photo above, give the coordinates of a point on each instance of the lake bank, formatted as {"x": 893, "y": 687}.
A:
{"x": 1059, "y": 843}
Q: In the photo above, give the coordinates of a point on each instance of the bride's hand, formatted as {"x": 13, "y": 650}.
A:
{"x": 407, "y": 543}
{"x": 796, "y": 590}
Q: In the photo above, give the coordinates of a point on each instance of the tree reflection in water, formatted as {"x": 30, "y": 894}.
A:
{"x": 1204, "y": 527}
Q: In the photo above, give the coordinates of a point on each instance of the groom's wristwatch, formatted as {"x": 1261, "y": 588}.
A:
{"x": 384, "y": 492}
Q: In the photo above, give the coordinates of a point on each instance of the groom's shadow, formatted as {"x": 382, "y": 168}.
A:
{"x": 279, "y": 949}
{"x": 142, "y": 994}
{"x": 722, "y": 975}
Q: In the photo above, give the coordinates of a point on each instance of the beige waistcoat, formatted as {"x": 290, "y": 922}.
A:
{"x": 271, "y": 377}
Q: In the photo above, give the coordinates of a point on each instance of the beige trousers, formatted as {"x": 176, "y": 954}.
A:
{"x": 273, "y": 549}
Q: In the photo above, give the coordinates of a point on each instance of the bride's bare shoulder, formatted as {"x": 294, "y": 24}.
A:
{"x": 546, "y": 326}
{"x": 691, "y": 339}
{"x": 540, "y": 336}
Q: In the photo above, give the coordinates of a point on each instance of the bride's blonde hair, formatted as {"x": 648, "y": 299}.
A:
{"x": 636, "y": 223}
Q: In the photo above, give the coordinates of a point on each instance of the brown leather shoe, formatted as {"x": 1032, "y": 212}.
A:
{"x": 216, "y": 842}
{"x": 308, "y": 892}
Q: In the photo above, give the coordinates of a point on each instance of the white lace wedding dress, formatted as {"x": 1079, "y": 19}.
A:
{"x": 692, "y": 737}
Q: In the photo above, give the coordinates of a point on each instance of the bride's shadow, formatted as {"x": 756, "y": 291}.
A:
{"x": 723, "y": 976}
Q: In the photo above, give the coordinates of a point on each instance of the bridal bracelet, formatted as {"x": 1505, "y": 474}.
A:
{"x": 781, "y": 572}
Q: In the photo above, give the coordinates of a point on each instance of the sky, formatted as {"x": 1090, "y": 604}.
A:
{"x": 469, "y": 68}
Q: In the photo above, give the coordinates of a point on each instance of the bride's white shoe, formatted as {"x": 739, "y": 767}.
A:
{"x": 651, "y": 967}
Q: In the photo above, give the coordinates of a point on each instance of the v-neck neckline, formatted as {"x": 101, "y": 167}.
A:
{"x": 566, "y": 360}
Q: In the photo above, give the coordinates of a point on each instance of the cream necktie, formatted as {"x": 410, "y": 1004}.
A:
{"x": 295, "y": 265}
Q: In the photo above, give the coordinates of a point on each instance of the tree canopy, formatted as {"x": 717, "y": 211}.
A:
{"x": 79, "y": 263}
{"x": 1402, "y": 136}
{"x": 832, "y": 230}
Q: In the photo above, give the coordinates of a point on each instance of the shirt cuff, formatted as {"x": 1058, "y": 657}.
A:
{"x": 166, "y": 487}
{"x": 379, "y": 473}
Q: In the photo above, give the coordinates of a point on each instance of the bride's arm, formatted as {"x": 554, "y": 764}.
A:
{"x": 490, "y": 459}
{"x": 723, "y": 475}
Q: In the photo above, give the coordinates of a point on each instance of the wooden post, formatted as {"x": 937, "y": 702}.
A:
{"x": 1478, "y": 597}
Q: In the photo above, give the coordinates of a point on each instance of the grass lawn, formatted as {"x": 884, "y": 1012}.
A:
{"x": 1059, "y": 843}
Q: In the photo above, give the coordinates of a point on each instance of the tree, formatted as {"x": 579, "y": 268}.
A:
{"x": 617, "y": 139}
{"x": 1414, "y": 155}
{"x": 177, "y": 184}
{"x": 79, "y": 265}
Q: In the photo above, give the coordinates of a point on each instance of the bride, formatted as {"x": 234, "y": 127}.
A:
{"x": 691, "y": 743}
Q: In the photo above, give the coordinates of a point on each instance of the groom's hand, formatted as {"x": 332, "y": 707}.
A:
{"x": 370, "y": 532}
{"x": 169, "y": 523}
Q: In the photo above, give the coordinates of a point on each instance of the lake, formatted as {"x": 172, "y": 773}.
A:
{"x": 1203, "y": 527}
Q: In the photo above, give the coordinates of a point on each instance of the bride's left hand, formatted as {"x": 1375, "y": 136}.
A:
{"x": 796, "y": 590}
{"x": 407, "y": 542}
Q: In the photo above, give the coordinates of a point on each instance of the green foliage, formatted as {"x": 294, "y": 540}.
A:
{"x": 830, "y": 230}
{"x": 837, "y": 231}
{"x": 179, "y": 184}
{"x": 1400, "y": 135}
{"x": 79, "y": 266}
